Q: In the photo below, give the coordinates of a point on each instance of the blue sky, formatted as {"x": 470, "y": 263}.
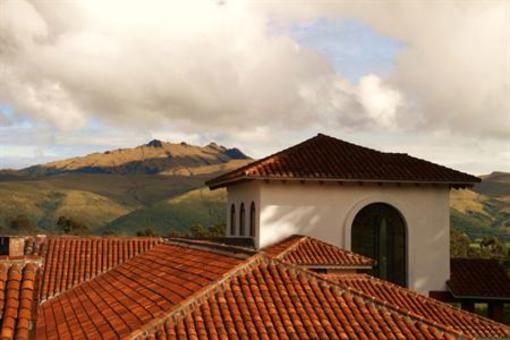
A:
{"x": 352, "y": 48}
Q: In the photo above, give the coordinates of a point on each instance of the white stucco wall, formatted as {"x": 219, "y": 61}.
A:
{"x": 244, "y": 193}
{"x": 326, "y": 211}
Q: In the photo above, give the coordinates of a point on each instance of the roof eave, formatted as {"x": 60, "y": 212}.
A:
{"x": 222, "y": 183}
{"x": 476, "y": 297}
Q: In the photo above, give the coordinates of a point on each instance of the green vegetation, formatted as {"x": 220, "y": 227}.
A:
{"x": 69, "y": 225}
{"x": 483, "y": 211}
{"x": 197, "y": 207}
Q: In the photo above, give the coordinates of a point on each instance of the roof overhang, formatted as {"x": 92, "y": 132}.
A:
{"x": 213, "y": 184}
{"x": 476, "y": 297}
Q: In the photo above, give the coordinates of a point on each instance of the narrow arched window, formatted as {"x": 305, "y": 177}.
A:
{"x": 242, "y": 220}
{"x": 252, "y": 219}
{"x": 232, "y": 219}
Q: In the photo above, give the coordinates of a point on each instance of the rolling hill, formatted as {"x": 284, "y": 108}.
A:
{"x": 485, "y": 209}
{"x": 114, "y": 190}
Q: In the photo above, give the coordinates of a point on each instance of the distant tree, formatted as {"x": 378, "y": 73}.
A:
{"x": 22, "y": 224}
{"x": 492, "y": 247}
{"x": 198, "y": 231}
{"x": 148, "y": 232}
{"x": 459, "y": 244}
{"x": 177, "y": 234}
{"x": 218, "y": 230}
{"x": 69, "y": 225}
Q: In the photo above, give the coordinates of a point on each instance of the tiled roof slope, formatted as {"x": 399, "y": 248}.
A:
{"x": 442, "y": 313}
{"x": 69, "y": 261}
{"x": 120, "y": 301}
{"x": 17, "y": 299}
{"x": 478, "y": 278}
{"x": 307, "y": 251}
{"x": 271, "y": 300}
{"x": 327, "y": 158}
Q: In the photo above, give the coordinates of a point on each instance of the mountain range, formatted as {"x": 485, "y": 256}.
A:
{"x": 160, "y": 185}
{"x": 157, "y": 185}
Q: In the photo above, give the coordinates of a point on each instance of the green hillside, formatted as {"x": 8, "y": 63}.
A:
{"x": 200, "y": 206}
{"x": 485, "y": 209}
{"x": 43, "y": 203}
{"x": 121, "y": 191}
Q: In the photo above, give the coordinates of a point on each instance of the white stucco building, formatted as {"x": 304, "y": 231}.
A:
{"x": 391, "y": 207}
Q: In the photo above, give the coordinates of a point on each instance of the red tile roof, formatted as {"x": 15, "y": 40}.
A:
{"x": 442, "y": 313}
{"x": 271, "y": 300}
{"x": 17, "y": 299}
{"x": 69, "y": 261}
{"x": 308, "y": 251}
{"x": 327, "y": 158}
{"x": 478, "y": 278}
{"x": 132, "y": 294}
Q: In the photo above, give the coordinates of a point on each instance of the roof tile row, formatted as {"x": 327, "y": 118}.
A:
{"x": 17, "y": 300}
{"x": 123, "y": 299}
{"x": 69, "y": 261}
{"x": 442, "y": 313}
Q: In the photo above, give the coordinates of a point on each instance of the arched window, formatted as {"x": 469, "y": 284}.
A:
{"x": 252, "y": 219}
{"x": 232, "y": 220}
{"x": 242, "y": 219}
{"x": 379, "y": 232}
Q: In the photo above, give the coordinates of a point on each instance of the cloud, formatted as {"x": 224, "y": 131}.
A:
{"x": 454, "y": 69}
{"x": 211, "y": 67}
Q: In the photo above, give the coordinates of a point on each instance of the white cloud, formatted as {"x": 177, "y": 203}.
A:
{"x": 198, "y": 65}
{"x": 218, "y": 69}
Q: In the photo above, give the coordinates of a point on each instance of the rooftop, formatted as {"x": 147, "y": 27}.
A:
{"x": 310, "y": 252}
{"x": 478, "y": 279}
{"x": 324, "y": 158}
{"x": 167, "y": 288}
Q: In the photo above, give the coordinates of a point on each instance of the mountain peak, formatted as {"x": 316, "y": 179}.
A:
{"x": 155, "y": 143}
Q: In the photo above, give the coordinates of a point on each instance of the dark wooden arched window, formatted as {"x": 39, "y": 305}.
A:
{"x": 379, "y": 232}
{"x": 242, "y": 219}
{"x": 252, "y": 219}
{"x": 232, "y": 220}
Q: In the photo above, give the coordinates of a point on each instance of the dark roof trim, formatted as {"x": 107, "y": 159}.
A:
{"x": 474, "y": 297}
{"x": 215, "y": 185}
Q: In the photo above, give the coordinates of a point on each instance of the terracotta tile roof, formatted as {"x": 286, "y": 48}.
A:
{"x": 308, "y": 251}
{"x": 17, "y": 299}
{"x": 271, "y": 300}
{"x": 327, "y": 158}
{"x": 478, "y": 278}
{"x": 69, "y": 261}
{"x": 123, "y": 299}
{"x": 429, "y": 308}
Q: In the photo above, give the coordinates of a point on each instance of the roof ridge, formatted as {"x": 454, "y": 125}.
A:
{"x": 350, "y": 252}
{"x": 218, "y": 248}
{"x": 292, "y": 247}
{"x": 106, "y": 237}
{"x": 372, "y": 299}
{"x": 199, "y": 296}
{"x": 431, "y": 300}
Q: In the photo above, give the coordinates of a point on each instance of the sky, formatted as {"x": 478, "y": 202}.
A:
{"x": 429, "y": 78}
